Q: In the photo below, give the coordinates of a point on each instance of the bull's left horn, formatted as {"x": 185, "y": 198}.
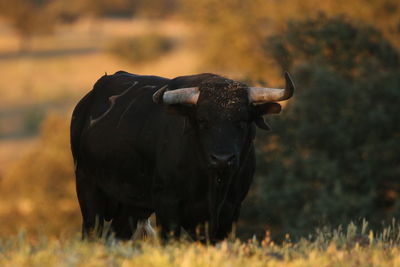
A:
{"x": 158, "y": 95}
{"x": 188, "y": 95}
{"x": 262, "y": 94}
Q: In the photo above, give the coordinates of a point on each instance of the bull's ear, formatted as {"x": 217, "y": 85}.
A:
{"x": 264, "y": 109}
{"x": 259, "y": 121}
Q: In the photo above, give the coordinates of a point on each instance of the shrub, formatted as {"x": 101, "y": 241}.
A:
{"x": 333, "y": 156}
{"x": 140, "y": 49}
{"x": 38, "y": 191}
{"x": 32, "y": 120}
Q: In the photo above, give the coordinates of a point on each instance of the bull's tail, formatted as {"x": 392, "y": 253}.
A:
{"x": 80, "y": 117}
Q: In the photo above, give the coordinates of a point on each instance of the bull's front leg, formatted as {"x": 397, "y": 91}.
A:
{"x": 228, "y": 216}
{"x": 168, "y": 212}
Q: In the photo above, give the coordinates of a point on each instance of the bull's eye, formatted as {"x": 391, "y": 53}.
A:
{"x": 242, "y": 124}
{"x": 203, "y": 123}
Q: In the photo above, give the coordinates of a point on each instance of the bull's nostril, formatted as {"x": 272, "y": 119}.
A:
{"x": 214, "y": 157}
{"x": 222, "y": 159}
{"x": 214, "y": 160}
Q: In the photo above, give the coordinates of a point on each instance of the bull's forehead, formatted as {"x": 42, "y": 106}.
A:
{"x": 226, "y": 98}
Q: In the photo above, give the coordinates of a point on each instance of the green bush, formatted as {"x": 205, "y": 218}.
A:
{"x": 334, "y": 154}
{"x": 32, "y": 120}
{"x": 142, "y": 48}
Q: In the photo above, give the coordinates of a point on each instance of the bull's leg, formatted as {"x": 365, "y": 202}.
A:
{"x": 92, "y": 203}
{"x": 228, "y": 216}
{"x": 123, "y": 225}
{"x": 168, "y": 216}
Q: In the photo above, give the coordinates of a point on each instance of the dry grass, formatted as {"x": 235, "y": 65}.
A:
{"x": 10, "y": 150}
{"x": 38, "y": 189}
{"x": 335, "y": 248}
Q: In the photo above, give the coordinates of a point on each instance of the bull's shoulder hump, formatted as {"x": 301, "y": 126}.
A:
{"x": 140, "y": 78}
{"x": 123, "y": 83}
{"x": 191, "y": 80}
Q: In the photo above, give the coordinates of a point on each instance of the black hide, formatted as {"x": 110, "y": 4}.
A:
{"x": 190, "y": 164}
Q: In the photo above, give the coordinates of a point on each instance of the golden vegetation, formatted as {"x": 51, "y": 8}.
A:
{"x": 36, "y": 176}
{"x": 336, "y": 248}
{"x": 38, "y": 191}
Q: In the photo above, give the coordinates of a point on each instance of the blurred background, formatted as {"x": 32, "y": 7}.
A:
{"x": 333, "y": 155}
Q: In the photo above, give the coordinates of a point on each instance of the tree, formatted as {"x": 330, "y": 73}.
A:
{"x": 28, "y": 17}
{"x": 229, "y": 33}
{"x": 334, "y": 154}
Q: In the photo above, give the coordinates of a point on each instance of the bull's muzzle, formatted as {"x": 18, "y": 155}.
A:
{"x": 222, "y": 160}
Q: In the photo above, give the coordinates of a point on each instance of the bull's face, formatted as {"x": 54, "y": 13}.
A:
{"x": 223, "y": 124}
{"x": 222, "y": 112}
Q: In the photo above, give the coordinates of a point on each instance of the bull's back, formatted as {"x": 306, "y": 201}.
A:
{"x": 78, "y": 122}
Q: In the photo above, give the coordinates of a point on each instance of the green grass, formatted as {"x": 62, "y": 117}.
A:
{"x": 350, "y": 247}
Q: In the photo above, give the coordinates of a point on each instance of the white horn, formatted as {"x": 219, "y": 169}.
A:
{"x": 188, "y": 95}
{"x": 262, "y": 94}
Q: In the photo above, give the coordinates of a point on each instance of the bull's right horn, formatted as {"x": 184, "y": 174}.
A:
{"x": 262, "y": 94}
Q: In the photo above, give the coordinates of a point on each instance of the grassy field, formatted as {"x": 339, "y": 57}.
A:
{"x": 352, "y": 247}
{"x": 38, "y": 90}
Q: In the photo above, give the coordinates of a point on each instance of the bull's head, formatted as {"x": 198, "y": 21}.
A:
{"x": 223, "y": 114}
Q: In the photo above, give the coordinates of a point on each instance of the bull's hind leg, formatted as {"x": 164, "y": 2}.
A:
{"x": 92, "y": 202}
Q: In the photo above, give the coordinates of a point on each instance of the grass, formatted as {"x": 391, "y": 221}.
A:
{"x": 352, "y": 247}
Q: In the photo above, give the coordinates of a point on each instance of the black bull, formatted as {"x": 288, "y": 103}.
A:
{"x": 141, "y": 146}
